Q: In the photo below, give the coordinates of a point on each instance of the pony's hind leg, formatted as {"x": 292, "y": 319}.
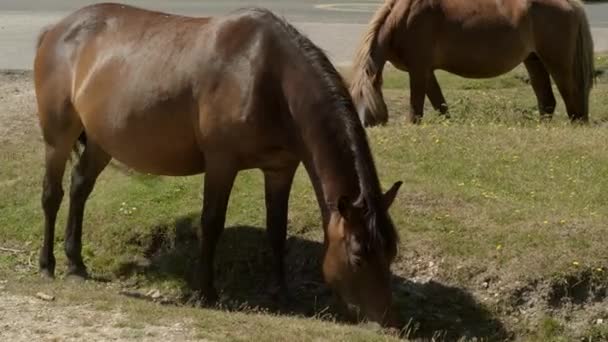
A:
{"x": 84, "y": 175}
{"x": 433, "y": 91}
{"x": 277, "y": 187}
{"x": 574, "y": 98}
{"x": 60, "y": 132}
{"x": 541, "y": 83}
{"x": 562, "y": 70}
{"x": 52, "y": 194}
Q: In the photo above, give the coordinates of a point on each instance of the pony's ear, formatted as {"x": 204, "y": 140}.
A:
{"x": 389, "y": 196}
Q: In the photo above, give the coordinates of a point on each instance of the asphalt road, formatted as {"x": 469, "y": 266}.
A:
{"x": 335, "y": 25}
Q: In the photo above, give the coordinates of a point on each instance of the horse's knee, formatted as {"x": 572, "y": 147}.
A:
{"x": 51, "y": 198}
{"x": 80, "y": 187}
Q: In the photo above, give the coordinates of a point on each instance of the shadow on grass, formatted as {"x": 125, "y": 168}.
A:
{"x": 244, "y": 264}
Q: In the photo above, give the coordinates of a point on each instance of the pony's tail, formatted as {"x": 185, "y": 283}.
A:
{"x": 584, "y": 71}
{"x": 366, "y": 84}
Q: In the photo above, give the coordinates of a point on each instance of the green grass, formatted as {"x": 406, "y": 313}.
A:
{"x": 550, "y": 330}
{"x": 495, "y": 203}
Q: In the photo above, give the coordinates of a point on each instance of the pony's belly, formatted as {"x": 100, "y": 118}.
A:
{"x": 155, "y": 142}
{"x": 481, "y": 63}
{"x": 479, "y": 71}
{"x": 483, "y": 53}
{"x": 168, "y": 162}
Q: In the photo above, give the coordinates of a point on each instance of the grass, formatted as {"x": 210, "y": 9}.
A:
{"x": 498, "y": 209}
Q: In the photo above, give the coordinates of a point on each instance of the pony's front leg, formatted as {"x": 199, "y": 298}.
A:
{"x": 219, "y": 178}
{"x": 277, "y": 187}
{"x": 418, "y": 86}
{"x": 433, "y": 91}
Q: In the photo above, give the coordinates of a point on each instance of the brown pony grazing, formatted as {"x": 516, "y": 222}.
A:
{"x": 174, "y": 95}
{"x": 476, "y": 39}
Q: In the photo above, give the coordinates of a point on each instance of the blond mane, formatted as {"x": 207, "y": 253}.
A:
{"x": 367, "y": 74}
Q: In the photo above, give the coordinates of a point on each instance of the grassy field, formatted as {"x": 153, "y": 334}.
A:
{"x": 502, "y": 221}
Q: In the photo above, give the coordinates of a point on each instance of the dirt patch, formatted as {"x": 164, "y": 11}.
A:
{"x": 571, "y": 291}
{"x": 578, "y": 300}
{"x": 17, "y": 106}
{"x": 26, "y": 318}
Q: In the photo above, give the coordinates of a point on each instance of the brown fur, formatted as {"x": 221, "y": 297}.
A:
{"x": 41, "y": 35}
{"x": 476, "y": 39}
{"x": 174, "y": 95}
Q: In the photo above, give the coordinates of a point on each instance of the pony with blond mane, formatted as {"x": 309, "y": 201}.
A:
{"x": 476, "y": 39}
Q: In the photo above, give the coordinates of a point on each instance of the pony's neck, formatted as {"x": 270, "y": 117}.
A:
{"x": 331, "y": 157}
{"x": 329, "y": 131}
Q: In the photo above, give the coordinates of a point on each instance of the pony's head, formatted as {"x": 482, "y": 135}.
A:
{"x": 360, "y": 247}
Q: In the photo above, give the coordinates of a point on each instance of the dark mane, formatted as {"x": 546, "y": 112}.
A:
{"x": 381, "y": 230}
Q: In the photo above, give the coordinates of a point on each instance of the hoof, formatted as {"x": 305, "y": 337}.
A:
{"x": 413, "y": 119}
{"x": 47, "y": 274}
{"x": 203, "y": 298}
{"x": 280, "y": 295}
{"x": 545, "y": 118}
{"x": 75, "y": 278}
{"x": 208, "y": 294}
{"x": 77, "y": 274}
